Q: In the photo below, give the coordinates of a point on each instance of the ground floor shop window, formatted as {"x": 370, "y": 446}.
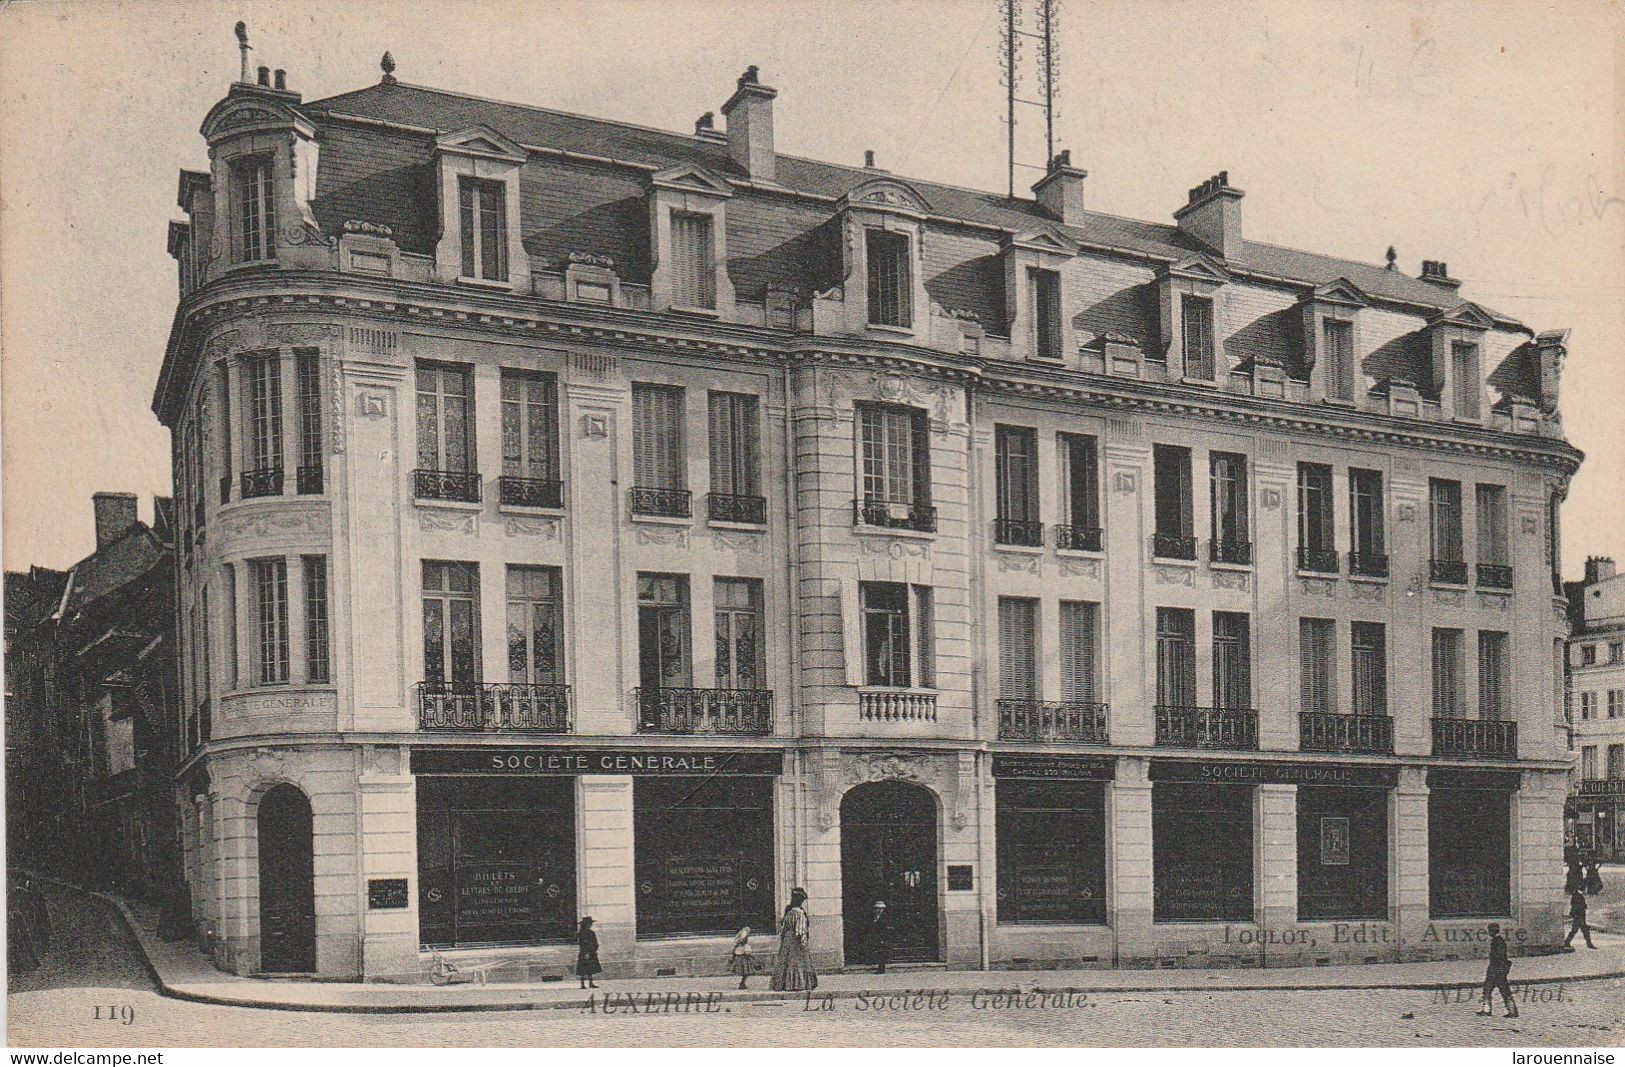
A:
{"x": 704, "y": 854}
{"x": 1342, "y": 853}
{"x": 1051, "y": 851}
{"x": 1469, "y": 853}
{"x": 496, "y": 860}
{"x": 1202, "y": 853}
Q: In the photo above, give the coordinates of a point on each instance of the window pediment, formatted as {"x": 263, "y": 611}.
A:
{"x": 689, "y": 178}
{"x": 1043, "y": 240}
{"x": 482, "y": 142}
{"x": 885, "y": 194}
{"x": 1466, "y": 315}
{"x": 1342, "y": 293}
{"x": 1198, "y": 267}
{"x": 236, "y": 115}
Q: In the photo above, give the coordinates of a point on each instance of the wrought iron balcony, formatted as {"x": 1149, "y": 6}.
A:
{"x": 1018, "y": 532}
{"x": 895, "y": 515}
{"x": 705, "y": 711}
{"x": 266, "y": 481}
{"x": 668, "y": 503}
{"x": 1368, "y": 564}
{"x": 897, "y": 705}
{"x": 309, "y": 479}
{"x": 1331, "y": 732}
{"x": 1491, "y": 738}
{"x": 1078, "y": 538}
{"x": 1317, "y": 560}
{"x": 730, "y": 507}
{"x": 1173, "y": 546}
{"x": 1494, "y": 576}
{"x": 530, "y": 492}
{"x": 1036, "y": 720}
{"x": 504, "y": 707}
{"x": 1190, "y": 727}
{"x": 1447, "y": 571}
{"x": 446, "y": 485}
{"x": 1230, "y": 551}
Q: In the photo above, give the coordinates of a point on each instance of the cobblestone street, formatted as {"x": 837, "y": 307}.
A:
{"x": 93, "y": 971}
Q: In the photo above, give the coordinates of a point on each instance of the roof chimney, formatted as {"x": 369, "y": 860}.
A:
{"x": 241, "y": 30}
{"x": 264, "y": 77}
{"x": 1438, "y": 273}
{"x": 281, "y": 80}
{"x": 1212, "y": 215}
{"x": 869, "y": 158}
{"x": 705, "y": 129}
{"x": 1598, "y": 568}
{"x": 749, "y": 116}
{"x": 115, "y": 513}
{"x": 1060, "y": 190}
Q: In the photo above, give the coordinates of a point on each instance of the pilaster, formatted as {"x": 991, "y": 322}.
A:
{"x": 1128, "y": 851}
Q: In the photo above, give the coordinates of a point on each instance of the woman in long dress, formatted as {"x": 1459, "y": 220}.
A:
{"x": 792, "y": 967}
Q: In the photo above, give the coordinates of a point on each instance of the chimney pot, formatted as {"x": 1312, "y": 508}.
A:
{"x": 706, "y": 121}
{"x": 869, "y": 158}
{"x": 1060, "y": 191}
{"x": 282, "y": 79}
{"x": 1212, "y": 215}
{"x": 265, "y": 76}
{"x": 115, "y": 514}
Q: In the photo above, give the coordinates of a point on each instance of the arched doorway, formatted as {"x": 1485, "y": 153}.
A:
{"x": 889, "y": 852}
{"x": 287, "y": 883}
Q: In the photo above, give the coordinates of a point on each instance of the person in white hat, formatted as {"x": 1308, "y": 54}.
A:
{"x": 880, "y": 938}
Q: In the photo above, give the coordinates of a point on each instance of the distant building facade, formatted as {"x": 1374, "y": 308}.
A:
{"x": 91, "y": 710}
{"x": 1596, "y": 679}
{"x": 585, "y": 519}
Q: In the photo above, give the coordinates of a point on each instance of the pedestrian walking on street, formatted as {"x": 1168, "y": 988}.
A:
{"x": 587, "y": 965}
{"x": 792, "y": 967}
{"x": 743, "y": 961}
{"x": 1576, "y": 880}
{"x": 1577, "y": 919}
{"x": 1593, "y": 879}
{"x": 1495, "y": 975}
{"x": 880, "y": 938}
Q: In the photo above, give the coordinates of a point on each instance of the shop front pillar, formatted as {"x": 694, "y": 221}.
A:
{"x": 1275, "y": 858}
{"x": 389, "y": 925}
{"x": 1410, "y": 862}
{"x": 1538, "y": 902}
{"x": 1128, "y": 822}
{"x": 605, "y": 867}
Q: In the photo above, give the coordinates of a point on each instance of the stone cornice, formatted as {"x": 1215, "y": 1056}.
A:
{"x": 322, "y": 292}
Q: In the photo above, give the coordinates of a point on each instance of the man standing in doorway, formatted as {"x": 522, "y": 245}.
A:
{"x": 880, "y": 937}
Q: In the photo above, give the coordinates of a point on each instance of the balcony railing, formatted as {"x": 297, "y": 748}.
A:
{"x": 266, "y": 481}
{"x": 530, "y": 492}
{"x": 705, "y": 711}
{"x": 897, "y": 705}
{"x": 1018, "y": 532}
{"x": 1448, "y": 571}
{"x": 895, "y": 515}
{"x": 1173, "y": 546}
{"x": 1035, "y": 720}
{"x": 309, "y": 479}
{"x": 1331, "y": 732}
{"x": 667, "y": 503}
{"x": 1317, "y": 560}
{"x": 446, "y": 485}
{"x": 1230, "y": 551}
{"x": 1368, "y": 564}
{"x": 1492, "y": 738}
{"x": 1078, "y": 538}
{"x": 1188, "y": 727}
{"x": 1494, "y": 576}
{"x": 494, "y": 707}
{"x": 731, "y": 507}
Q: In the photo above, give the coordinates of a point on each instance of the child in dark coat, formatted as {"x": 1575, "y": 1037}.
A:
{"x": 587, "y": 965}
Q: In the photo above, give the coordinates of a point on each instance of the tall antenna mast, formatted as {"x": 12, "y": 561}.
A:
{"x": 1045, "y": 15}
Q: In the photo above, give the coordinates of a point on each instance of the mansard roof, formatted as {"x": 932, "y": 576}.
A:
{"x": 432, "y": 111}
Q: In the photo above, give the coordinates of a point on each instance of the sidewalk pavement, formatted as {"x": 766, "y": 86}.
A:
{"x": 184, "y": 972}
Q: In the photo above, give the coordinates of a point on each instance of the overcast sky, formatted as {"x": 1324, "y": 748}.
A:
{"x": 1486, "y": 134}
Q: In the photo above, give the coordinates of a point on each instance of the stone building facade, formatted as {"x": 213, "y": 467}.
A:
{"x": 584, "y": 519}
{"x": 1596, "y": 704}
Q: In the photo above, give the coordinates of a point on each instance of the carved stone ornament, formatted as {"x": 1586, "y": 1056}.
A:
{"x": 901, "y": 389}
{"x": 335, "y": 396}
{"x": 1492, "y": 602}
{"x": 526, "y": 526}
{"x": 1018, "y": 564}
{"x": 1229, "y": 580}
{"x": 1451, "y": 597}
{"x": 1124, "y": 482}
{"x": 267, "y": 762}
{"x": 1080, "y": 568}
{"x": 1365, "y": 591}
{"x": 1531, "y": 525}
{"x": 301, "y": 333}
{"x": 729, "y": 541}
{"x": 1271, "y": 498}
{"x": 1317, "y": 587}
{"x": 895, "y": 547}
{"x": 594, "y": 426}
{"x": 1406, "y": 513}
{"x": 889, "y": 767}
{"x": 431, "y": 520}
{"x": 371, "y": 405}
{"x": 660, "y": 535}
{"x": 261, "y": 526}
{"x": 1175, "y": 575}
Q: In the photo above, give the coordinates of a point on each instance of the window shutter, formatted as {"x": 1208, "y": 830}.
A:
{"x": 724, "y": 476}
{"x": 1315, "y": 665}
{"x": 1339, "y": 360}
{"x": 693, "y": 267}
{"x": 657, "y": 444}
{"x": 1464, "y": 360}
{"x": 1078, "y": 636}
{"x": 465, "y": 194}
{"x": 1491, "y": 675}
{"x": 1016, "y": 650}
{"x": 1446, "y": 673}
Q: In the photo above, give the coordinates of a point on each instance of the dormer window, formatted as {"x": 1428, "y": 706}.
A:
{"x": 484, "y": 229}
{"x": 1465, "y": 377}
{"x": 1196, "y": 329}
{"x": 1046, "y": 309}
{"x": 1339, "y": 342}
{"x": 1330, "y": 361}
{"x": 890, "y": 282}
{"x": 1454, "y": 342}
{"x": 255, "y": 230}
{"x": 693, "y": 264}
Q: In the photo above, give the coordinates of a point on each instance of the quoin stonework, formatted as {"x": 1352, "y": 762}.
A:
{"x": 576, "y": 518}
